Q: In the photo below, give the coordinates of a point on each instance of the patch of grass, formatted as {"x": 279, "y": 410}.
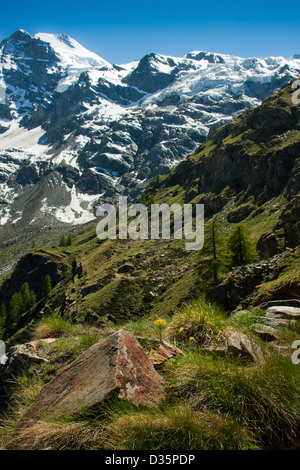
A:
{"x": 143, "y": 326}
{"x": 245, "y": 318}
{"x": 263, "y": 398}
{"x": 176, "y": 294}
{"x": 289, "y": 335}
{"x": 52, "y": 326}
{"x": 24, "y": 389}
{"x": 176, "y": 428}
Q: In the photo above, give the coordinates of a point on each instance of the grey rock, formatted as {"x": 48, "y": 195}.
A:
{"x": 281, "y": 349}
{"x": 274, "y": 303}
{"x": 241, "y": 346}
{"x": 282, "y": 311}
{"x": 149, "y": 296}
{"x": 276, "y": 322}
{"x": 267, "y": 333}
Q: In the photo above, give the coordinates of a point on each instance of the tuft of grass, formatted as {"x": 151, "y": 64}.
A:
{"x": 202, "y": 322}
{"x": 52, "y": 326}
{"x": 122, "y": 426}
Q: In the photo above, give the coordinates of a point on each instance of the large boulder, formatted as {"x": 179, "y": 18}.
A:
{"x": 115, "y": 367}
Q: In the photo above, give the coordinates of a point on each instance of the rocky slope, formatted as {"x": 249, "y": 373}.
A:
{"x": 75, "y": 128}
{"x": 248, "y": 170}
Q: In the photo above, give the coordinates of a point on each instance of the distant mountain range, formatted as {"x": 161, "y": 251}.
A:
{"x": 75, "y": 129}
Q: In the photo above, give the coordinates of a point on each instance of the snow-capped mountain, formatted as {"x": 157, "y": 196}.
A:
{"x": 75, "y": 129}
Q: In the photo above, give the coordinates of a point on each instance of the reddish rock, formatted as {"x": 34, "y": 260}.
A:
{"x": 117, "y": 366}
{"x": 163, "y": 353}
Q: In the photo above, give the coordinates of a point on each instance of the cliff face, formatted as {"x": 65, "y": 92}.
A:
{"x": 256, "y": 155}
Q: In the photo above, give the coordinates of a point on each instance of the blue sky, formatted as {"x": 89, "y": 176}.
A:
{"x": 122, "y": 31}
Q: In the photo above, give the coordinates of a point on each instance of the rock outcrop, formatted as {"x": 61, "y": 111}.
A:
{"x": 23, "y": 355}
{"x": 239, "y": 286}
{"x": 277, "y": 316}
{"x": 282, "y": 311}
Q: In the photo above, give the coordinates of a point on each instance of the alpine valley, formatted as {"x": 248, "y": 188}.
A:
{"x": 76, "y": 130}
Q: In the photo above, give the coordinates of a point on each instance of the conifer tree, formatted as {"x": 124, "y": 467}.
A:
{"x": 15, "y": 307}
{"x": 156, "y": 180}
{"x": 74, "y": 268}
{"x": 213, "y": 257}
{"x": 62, "y": 241}
{"x": 47, "y": 287}
{"x": 241, "y": 247}
{"x": 69, "y": 240}
{"x": 25, "y": 296}
{"x": 143, "y": 199}
{"x": 32, "y": 298}
{"x": 2, "y": 312}
{"x": 152, "y": 200}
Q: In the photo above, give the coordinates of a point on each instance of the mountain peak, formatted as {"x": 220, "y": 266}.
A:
{"x": 21, "y": 34}
{"x": 70, "y": 51}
